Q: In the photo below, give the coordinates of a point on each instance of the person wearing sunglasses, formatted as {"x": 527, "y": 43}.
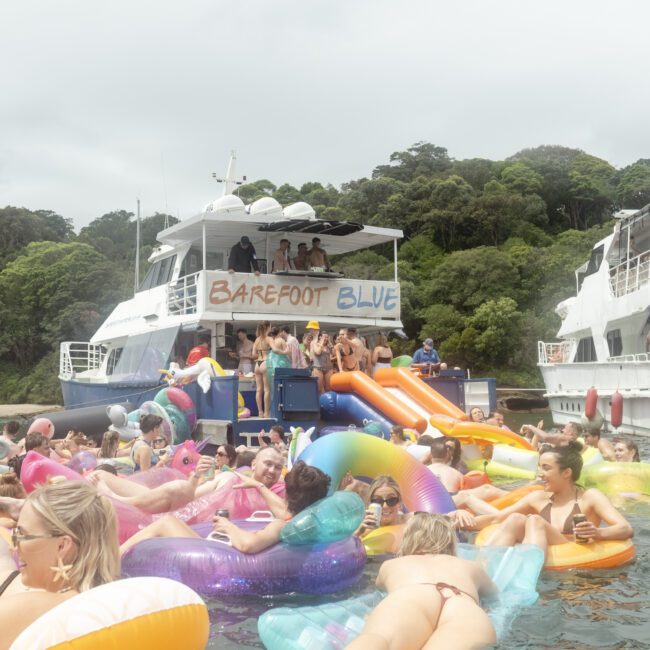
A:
{"x": 66, "y": 542}
{"x": 226, "y": 456}
{"x": 384, "y": 491}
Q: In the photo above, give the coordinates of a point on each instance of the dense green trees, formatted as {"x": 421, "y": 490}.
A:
{"x": 490, "y": 248}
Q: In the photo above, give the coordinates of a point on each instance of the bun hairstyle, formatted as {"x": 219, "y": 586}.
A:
{"x": 568, "y": 457}
{"x": 305, "y": 485}
{"x": 428, "y": 534}
{"x": 10, "y": 486}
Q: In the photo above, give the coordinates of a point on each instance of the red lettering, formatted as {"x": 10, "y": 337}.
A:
{"x": 284, "y": 292}
{"x": 219, "y": 293}
{"x": 294, "y": 296}
{"x": 240, "y": 294}
{"x": 256, "y": 292}
{"x": 270, "y": 294}
{"x": 318, "y": 292}
{"x": 308, "y": 296}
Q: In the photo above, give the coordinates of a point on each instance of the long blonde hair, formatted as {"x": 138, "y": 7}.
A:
{"x": 75, "y": 508}
{"x": 383, "y": 480}
{"x": 428, "y": 534}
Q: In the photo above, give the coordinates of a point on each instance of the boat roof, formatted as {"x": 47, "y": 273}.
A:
{"x": 266, "y": 223}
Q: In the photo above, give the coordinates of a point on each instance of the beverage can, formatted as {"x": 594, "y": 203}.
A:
{"x": 223, "y": 512}
{"x": 375, "y": 509}
{"x": 578, "y": 519}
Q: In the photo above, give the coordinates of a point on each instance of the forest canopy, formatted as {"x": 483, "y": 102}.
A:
{"x": 489, "y": 249}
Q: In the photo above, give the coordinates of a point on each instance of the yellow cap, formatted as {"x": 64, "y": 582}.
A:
{"x": 313, "y": 325}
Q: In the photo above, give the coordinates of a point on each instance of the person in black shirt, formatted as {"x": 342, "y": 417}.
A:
{"x": 242, "y": 257}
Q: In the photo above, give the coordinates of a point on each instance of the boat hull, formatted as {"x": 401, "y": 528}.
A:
{"x": 78, "y": 394}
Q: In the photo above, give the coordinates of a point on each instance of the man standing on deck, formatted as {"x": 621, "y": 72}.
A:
{"x": 317, "y": 257}
{"x": 295, "y": 354}
{"x": 244, "y": 353}
{"x": 281, "y": 259}
{"x": 243, "y": 257}
{"x": 300, "y": 260}
{"x": 427, "y": 359}
{"x": 201, "y": 350}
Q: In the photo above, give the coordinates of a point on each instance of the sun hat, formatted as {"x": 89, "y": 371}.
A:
{"x": 313, "y": 325}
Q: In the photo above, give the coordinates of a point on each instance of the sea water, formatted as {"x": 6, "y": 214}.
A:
{"x": 576, "y": 609}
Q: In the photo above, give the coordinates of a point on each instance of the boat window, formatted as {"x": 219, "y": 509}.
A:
{"x": 586, "y": 350}
{"x": 159, "y": 273}
{"x": 151, "y": 273}
{"x": 615, "y": 343}
{"x": 143, "y": 356}
{"x": 595, "y": 260}
{"x": 113, "y": 358}
{"x": 193, "y": 262}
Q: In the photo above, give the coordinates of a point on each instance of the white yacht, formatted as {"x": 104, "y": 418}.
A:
{"x": 605, "y": 331}
{"x": 188, "y": 289}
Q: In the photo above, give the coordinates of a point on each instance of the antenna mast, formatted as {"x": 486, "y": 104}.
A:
{"x": 231, "y": 183}
{"x": 137, "y": 250}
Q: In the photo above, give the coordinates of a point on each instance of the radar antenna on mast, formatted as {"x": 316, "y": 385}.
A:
{"x": 231, "y": 183}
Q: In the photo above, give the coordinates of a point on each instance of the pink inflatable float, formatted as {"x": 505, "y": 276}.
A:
{"x": 42, "y": 425}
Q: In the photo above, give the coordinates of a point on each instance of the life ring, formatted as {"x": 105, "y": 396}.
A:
{"x": 133, "y": 613}
{"x": 366, "y": 455}
{"x": 594, "y": 555}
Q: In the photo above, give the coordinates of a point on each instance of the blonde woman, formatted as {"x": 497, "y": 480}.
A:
{"x": 382, "y": 355}
{"x": 66, "y": 540}
{"x": 261, "y": 348}
{"x": 432, "y": 594}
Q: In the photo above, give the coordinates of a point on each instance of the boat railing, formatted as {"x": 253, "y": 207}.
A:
{"x": 182, "y": 295}
{"x": 641, "y": 357}
{"x": 630, "y": 275}
{"x": 558, "y": 352}
{"x": 79, "y": 356}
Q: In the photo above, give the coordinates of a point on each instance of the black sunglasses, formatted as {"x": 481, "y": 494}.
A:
{"x": 391, "y": 502}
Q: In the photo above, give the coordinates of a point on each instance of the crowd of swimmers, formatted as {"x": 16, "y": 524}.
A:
{"x": 66, "y": 539}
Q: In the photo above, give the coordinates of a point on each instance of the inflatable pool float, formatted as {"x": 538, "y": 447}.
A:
{"x": 316, "y": 555}
{"x": 477, "y": 432}
{"x": 181, "y": 410}
{"x": 514, "y": 495}
{"x": 365, "y": 455}
{"x": 513, "y": 463}
{"x": 383, "y": 540}
{"x": 474, "y": 478}
{"x": 133, "y": 613}
{"x": 594, "y": 555}
{"x": 618, "y": 478}
{"x": 334, "y": 625}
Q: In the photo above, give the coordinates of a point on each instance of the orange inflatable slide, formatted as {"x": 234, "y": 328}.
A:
{"x": 359, "y": 383}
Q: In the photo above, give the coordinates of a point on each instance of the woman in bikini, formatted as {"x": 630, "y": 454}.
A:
{"x": 432, "y": 597}
{"x": 346, "y": 360}
{"x": 321, "y": 354}
{"x": 545, "y": 518}
{"x": 382, "y": 355}
{"x": 261, "y": 348}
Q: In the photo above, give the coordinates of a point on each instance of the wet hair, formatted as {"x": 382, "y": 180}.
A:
{"x": 455, "y": 457}
{"x": 10, "y": 486}
{"x": 12, "y": 427}
{"x": 110, "y": 443}
{"x": 439, "y": 449}
{"x": 33, "y": 440}
{"x": 305, "y": 485}
{"x": 428, "y": 534}
{"x": 398, "y": 431}
{"x": 567, "y": 457}
{"x": 107, "y": 467}
{"x": 244, "y": 459}
{"x": 149, "y": 422}
{"x": 630, "y": 446}
{"x": 231, "y": 453}
{"x": 383, "y": 480}
{"x": 75, "y": 508}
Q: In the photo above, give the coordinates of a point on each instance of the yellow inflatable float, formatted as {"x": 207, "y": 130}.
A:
{"x": 477, "y": 432}
{"x": 594, "y": 555}
{"x": 132, "y": 613}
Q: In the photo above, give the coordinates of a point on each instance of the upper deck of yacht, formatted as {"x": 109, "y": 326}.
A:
{"x": 189, "y": 281}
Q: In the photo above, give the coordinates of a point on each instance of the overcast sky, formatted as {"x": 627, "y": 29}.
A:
{"x": 101, "y": 103}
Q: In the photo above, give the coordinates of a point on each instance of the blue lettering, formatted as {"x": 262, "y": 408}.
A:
{"x": 376, "y": 302}
{"x": 345, "y": 299}
{"x": 391, "y": 299}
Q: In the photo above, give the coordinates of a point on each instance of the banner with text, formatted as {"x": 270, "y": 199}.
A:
{"x": 307, "y": 296}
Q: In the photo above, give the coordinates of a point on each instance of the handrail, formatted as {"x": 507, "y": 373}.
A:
{"x": 182, "y": 295}
{"x": 641, "y": 357}
{"x": 630, "y": 275}
{"x": 79, "y": 356}
{"x": 557, "y": 352}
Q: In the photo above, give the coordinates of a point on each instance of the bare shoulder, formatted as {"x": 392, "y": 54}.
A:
{"x": 19, "y": 610}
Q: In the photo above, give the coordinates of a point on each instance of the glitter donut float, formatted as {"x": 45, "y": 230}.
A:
{"x": 316, "y": 554}
{"x": 133, "y": 613}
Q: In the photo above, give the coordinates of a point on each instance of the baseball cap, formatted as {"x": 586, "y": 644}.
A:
{"x": 428, "y": 343}
{"x": 244, "y": 240}
{"x": 313, "y": 325}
